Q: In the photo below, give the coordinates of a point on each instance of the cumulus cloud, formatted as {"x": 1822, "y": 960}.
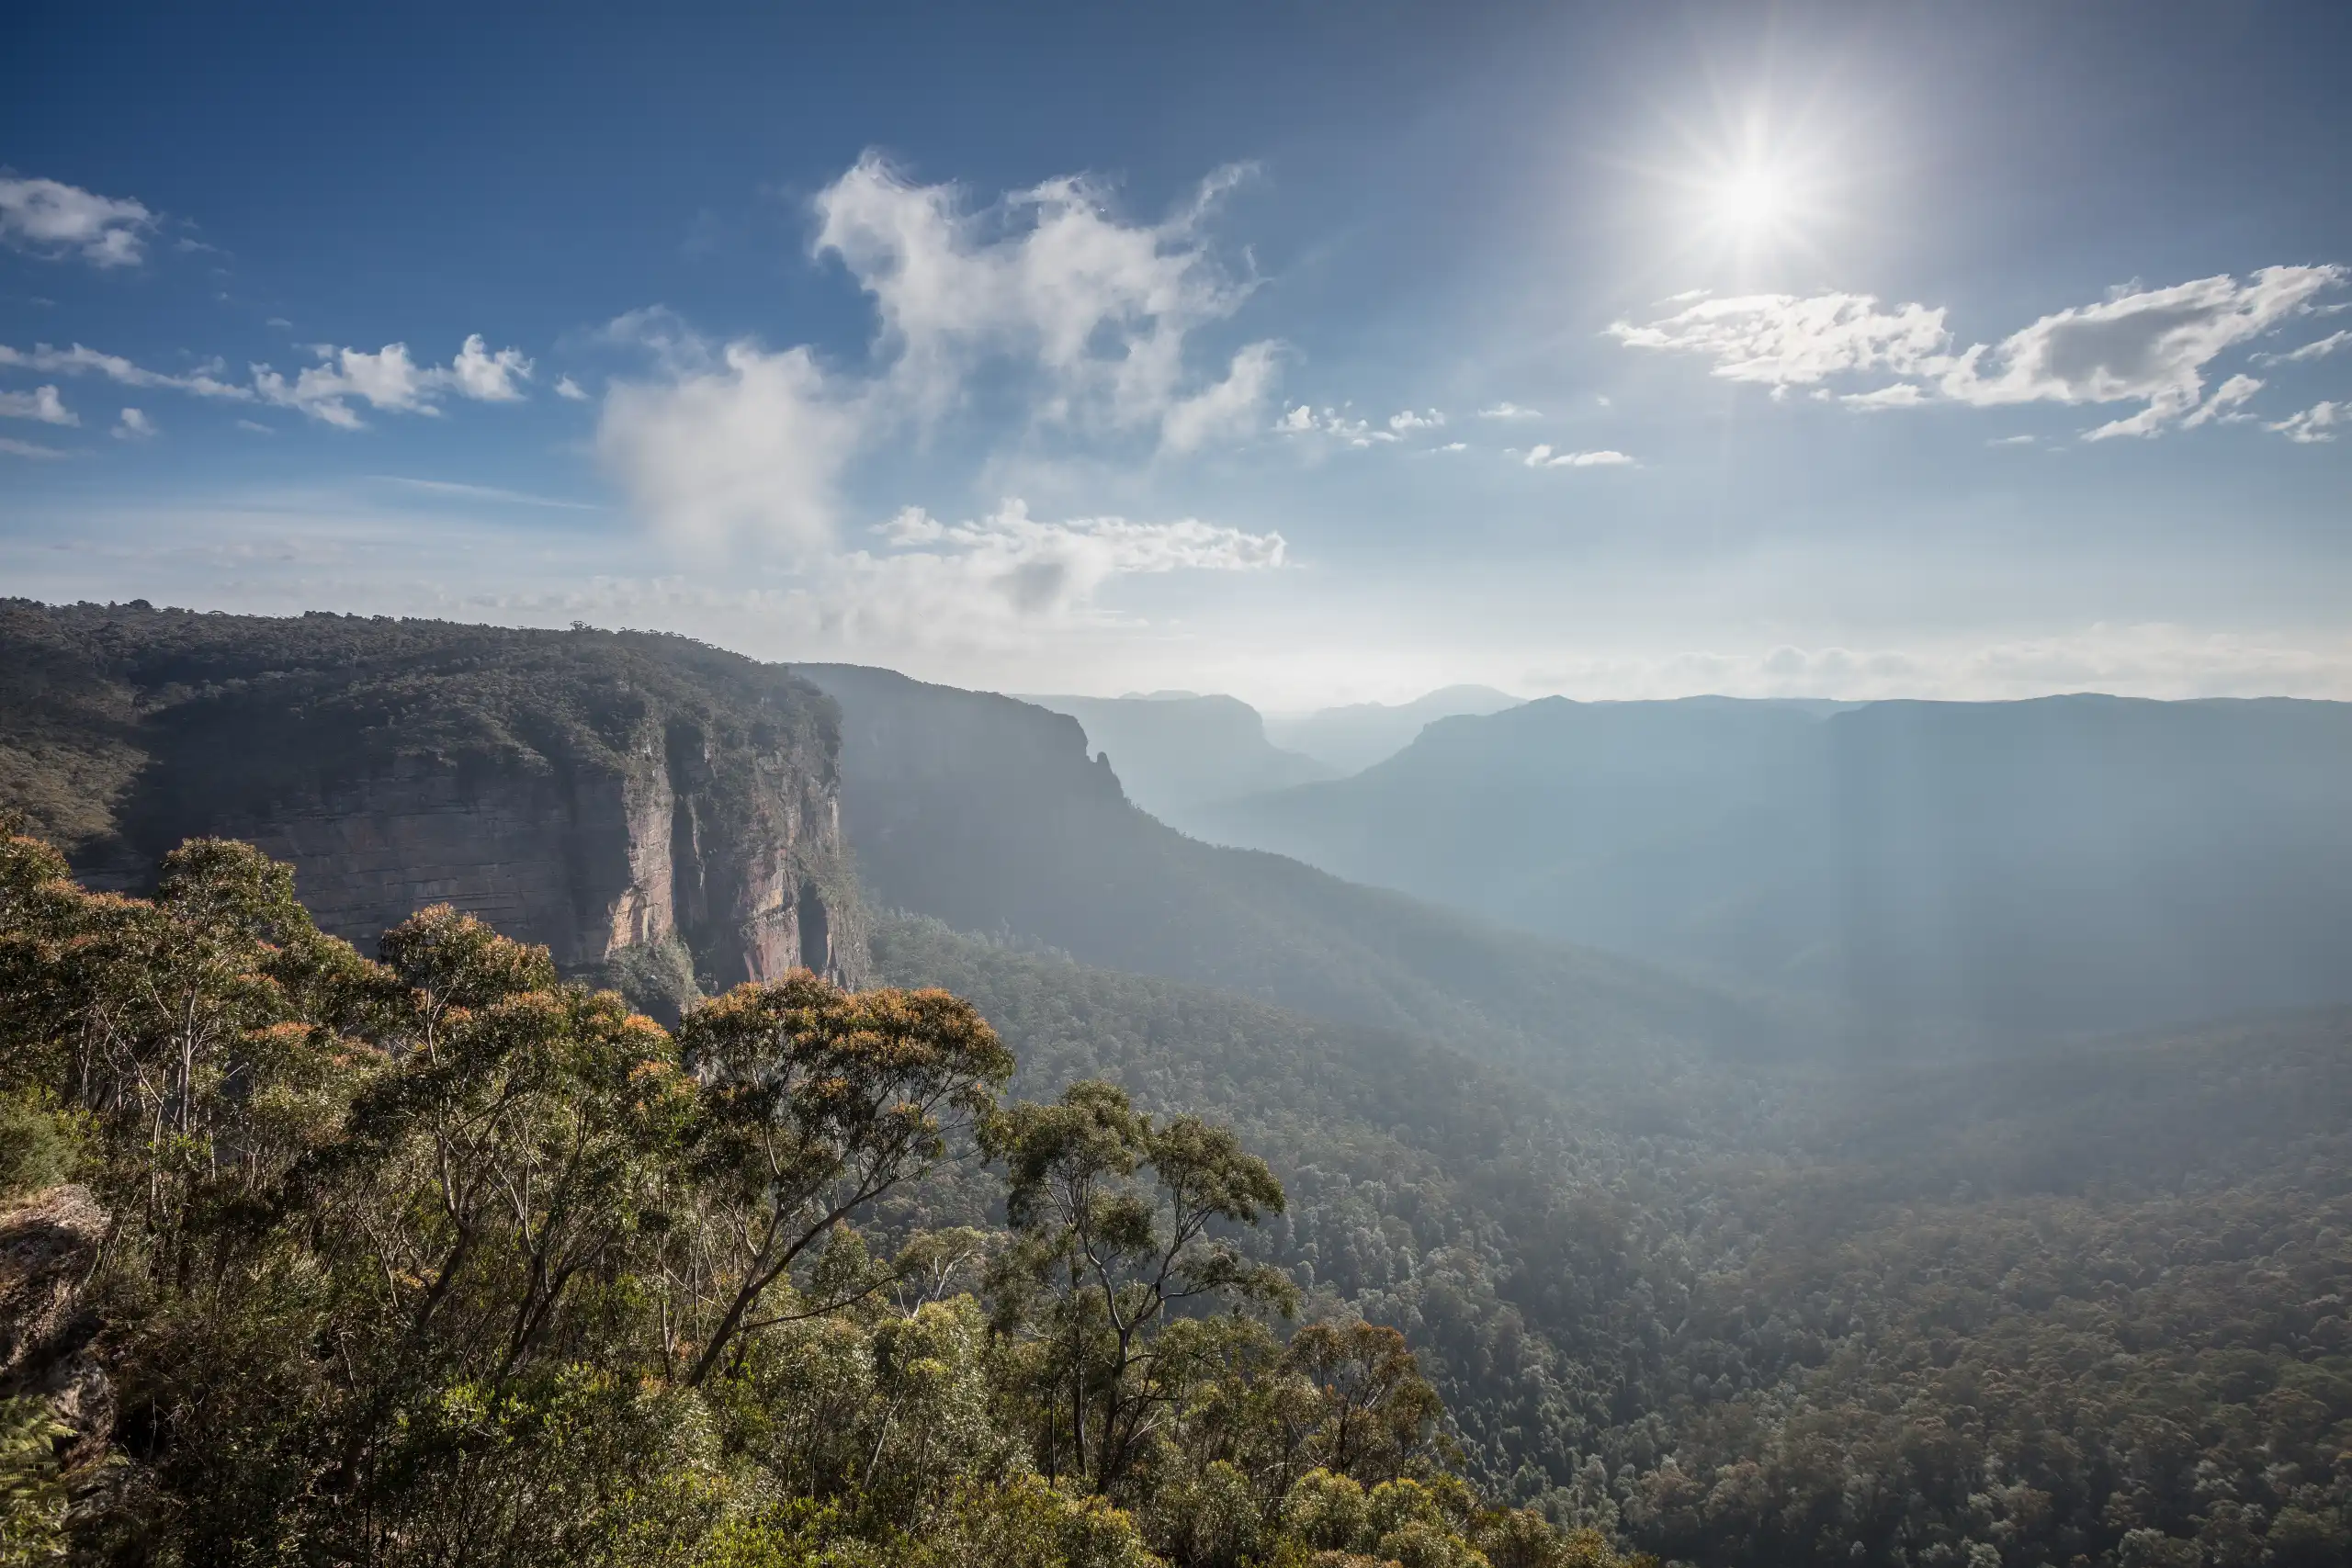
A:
{"x": 390, "y": 381}
{"x": 2152, "y": 346}
{"x": 1411, "y": 420}
{"x": 1047, "y": 280}
{"x": 41, "y": 403}
{"x": 133, "y": 425}
{"x": 1510, "y": 411}
{"x": 486, "y": 377}
{"x": 51, "y": 219}
{"x": 2315, "y": 424}
{"x": 1361, "y": 434}
{"x": 1086, "y": 321}
{"x": 569, "y": 389}
{"x": 1543, "y": 456}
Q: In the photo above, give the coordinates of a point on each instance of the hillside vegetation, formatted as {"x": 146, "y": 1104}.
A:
{"x": 441, "y": 1261}
{"x": 2082, "y": 1307}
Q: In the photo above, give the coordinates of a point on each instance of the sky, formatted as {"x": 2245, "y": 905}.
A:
{"x": 1315, "y": 352}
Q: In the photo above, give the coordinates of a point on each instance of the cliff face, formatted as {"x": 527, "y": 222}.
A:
{"x": 588, "y": 863}
{"x": 594, "y": 793}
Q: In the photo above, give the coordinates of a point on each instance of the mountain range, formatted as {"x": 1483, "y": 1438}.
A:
{"x": 2064, "y": 863}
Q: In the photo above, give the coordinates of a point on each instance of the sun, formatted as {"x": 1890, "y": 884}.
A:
{"x": 1751, "y": 200}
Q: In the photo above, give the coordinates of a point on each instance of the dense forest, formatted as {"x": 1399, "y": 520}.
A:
{"x": 2079, "y": 1307}
{"x": 437, "y": 1258}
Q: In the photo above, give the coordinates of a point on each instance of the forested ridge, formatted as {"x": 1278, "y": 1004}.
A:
{"x": 441, "y": 1260}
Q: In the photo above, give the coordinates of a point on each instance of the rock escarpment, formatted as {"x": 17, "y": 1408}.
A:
{"x": 606, "y": 794}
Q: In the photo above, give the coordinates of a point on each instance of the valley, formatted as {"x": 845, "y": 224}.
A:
{"x": 1702, "y": 1253}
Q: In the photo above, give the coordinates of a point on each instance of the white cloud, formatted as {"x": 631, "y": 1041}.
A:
{"x": 1456, "y": 446}
{"x": 49, "y": 218}
{"x": 1361, "y": 434}
{"x": 78, "y": 361}
{"x": 1900, "y": 395}
{"x": 745, "y": 442}
{"x": 255, "y": 426}
{"x": 1510, "y": 411}
{"x": 1542, "y": 456}
{"x": 1050, "y": 281}
{"x": 1082, "y": 320}
{"x": 2151, "y": 346}
{"x": 486, "y": 377}
{"x": 1782, "y": 340}
{"x": 2146, "y": 345}
{"x": 133, "y": 425}
{"x": 1409, "y": 420}
{"x": 2225, "y": 403}
{"x": 41, "y": 403}
{"x": 2319, "y": 348}
{"x": 16, "y": 448}
{"x": 1229, "y": 408}
{"x": 2011, "y": 441}
{"x": 1011, "y": 569}
{"x": 389, "y": 380}
{"x": 2315, "y": 424}
{"x": 569, "y": 389}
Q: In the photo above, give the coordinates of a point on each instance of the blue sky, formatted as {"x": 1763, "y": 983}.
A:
{"x": 1314, "y": 351}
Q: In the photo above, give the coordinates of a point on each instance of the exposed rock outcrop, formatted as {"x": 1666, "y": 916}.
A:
{"x": 599, "y": 792}
{"x": 49, "y": 1248}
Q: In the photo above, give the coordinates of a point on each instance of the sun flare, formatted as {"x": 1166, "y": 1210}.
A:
{"x": 1751, "y": 199}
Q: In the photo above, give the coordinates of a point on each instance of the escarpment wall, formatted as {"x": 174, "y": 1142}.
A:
{"x": 592, "y": 792}
{"x": 585, "y": 861}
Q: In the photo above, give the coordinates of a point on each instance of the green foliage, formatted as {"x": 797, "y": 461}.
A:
{"x": 440, "y": 1259}
{"x": 1743, "y": 1318}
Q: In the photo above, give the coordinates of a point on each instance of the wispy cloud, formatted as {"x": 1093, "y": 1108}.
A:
{"x": 1543, "y": 456}
{"x": 16, "y": 448}
{"x": 483, "y": 492}
{"x": 1510, "y": 411}
{"x": 2319, "y": 348}
{"x": 2316, "y": 424}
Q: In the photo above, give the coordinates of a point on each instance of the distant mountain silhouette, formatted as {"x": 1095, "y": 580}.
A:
{"x": 2068, "y": 863}
{"x": 987, "y": 813}
{"x": 1348, "y": 740}
{"x": 1177, "y": 752}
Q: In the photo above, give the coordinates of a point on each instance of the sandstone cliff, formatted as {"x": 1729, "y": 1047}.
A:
{"x": 598, "y": 793}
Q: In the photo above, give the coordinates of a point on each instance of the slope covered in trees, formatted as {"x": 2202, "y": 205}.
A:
{"x": 438, "y": 1260}
{"x": 2087, "y": 1306}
